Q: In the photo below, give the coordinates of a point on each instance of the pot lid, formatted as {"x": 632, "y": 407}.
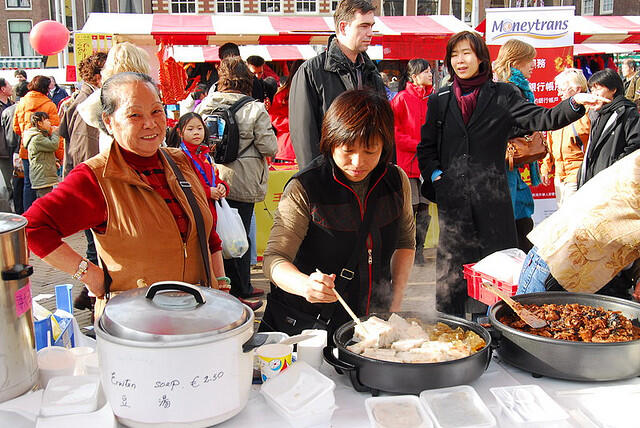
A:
{"x": 10, "y": 222}
{"x": 169, "y": 311}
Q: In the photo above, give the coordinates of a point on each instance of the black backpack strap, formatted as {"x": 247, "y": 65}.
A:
{"x": 347, "y": 273}
{"x": 197, "y": 215}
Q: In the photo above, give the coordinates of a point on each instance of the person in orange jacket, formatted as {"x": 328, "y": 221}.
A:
{"x": 409, "y": 111}
{"x": 35, "y": 100}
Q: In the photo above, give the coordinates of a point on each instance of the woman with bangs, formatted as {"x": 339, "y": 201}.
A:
{"x": 345, "y": 222}
{"x": 462, "y": 159}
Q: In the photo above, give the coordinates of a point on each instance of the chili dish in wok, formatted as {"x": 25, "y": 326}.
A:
{"x": 577, "y": 323}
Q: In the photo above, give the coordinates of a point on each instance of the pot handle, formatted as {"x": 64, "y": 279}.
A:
{"x": 17, "y": 272}
{"x": 254, "y": 341}
{"x": 175, "y": 286}
{"x": 335, "y": 362}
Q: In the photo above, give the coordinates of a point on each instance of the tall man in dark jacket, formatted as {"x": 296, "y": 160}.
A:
{"x": 6, "y": 154}
{"x": 615, "y": 130}
{"x": 343, "y": 66}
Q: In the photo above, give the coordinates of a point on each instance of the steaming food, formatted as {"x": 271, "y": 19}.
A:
{"x": 409, "y": 341}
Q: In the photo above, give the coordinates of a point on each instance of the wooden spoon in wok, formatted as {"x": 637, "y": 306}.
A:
{"x": 525, "y": 315}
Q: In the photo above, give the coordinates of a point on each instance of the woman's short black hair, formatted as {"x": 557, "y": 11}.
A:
{"x": 478, "y": 46}
{"x": 359, "y": 116}
{"x": 174, "y": 139}
{"x": 609, "y": 79}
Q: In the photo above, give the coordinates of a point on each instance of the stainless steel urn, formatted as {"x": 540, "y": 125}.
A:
{"x": 18, "y": 364}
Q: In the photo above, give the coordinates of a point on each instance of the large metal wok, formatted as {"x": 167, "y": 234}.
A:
{"x": 371, "y": 375}
{"x": 565, "y": 359}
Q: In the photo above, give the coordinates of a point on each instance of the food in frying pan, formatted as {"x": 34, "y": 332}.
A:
{"x": 577, "y": 323}
{"x": 410, "y": 341}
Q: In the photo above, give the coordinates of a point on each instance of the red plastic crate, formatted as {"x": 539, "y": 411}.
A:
{"x": 478, "y": 292}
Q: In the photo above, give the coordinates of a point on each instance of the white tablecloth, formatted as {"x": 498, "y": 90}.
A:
{"x": 351, "y": 411}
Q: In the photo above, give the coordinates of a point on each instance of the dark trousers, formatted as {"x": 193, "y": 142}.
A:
{"x": 92, "y": 253}
{"x": 28, "y": 194}
{"x": 524, "y": 226}
{"x": 421, "y": 212}
{"x": 239, "y": 270}
{"x": 6, "y": 168}
{"x": 18, "y": 183}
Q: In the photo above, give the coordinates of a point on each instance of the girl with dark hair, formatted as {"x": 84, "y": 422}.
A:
{"x": 344, "y": 222}
{"x": 615, "y": 127}
{"x": 41, "y": 141}
{"x": 462, "y": 159}
{"x": 409, "y": 110}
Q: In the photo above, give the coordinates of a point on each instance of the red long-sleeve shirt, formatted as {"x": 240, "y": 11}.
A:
{"x": 78, "y": 204}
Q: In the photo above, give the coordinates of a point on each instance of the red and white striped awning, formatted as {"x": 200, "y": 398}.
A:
{"x": 604, "y": 48}
{"x": 606, "y": 29}
{"x": 401, "y": 37}
{"x": 268, "y": 52}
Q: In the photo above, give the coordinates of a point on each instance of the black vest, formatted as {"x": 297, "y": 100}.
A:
{"x": 336, "y": 216}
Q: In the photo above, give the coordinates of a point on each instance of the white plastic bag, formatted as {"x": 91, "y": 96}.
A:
{"x": 231, "y": 231}
{"x": 504, "y": 265}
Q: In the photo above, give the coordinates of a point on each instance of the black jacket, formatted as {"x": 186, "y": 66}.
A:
{"x": 336, "y": 217}
{"x": 12, "y": 139}
{"x": 5, "y": 149}
{"x": 615, "y": 133}
{"x": 317, "y": 83}
{"x": 474, "y": 206}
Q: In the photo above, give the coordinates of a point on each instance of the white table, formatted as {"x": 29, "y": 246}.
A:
{"x": 351, "y": 410}
{"x": 352, "y": 414}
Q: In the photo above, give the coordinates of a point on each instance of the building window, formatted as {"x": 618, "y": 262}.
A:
{"x": 183, "y": 6}
{"x": 393, "y": 7}
{"x": 19, "y": 38}
{"x": 97, "y": 6}
{"x": 130, "y": 6}
{"x": 229, "y": 6}
{"x": 306, "y": 6}
{"x": 334, "y": 5}
{"x": 606, "y": 7}
{"x": 270, "y": 6}
{"x": 587, "y": 7}
{"x": 20, "y": 4}
{"x": 427, "y": 7}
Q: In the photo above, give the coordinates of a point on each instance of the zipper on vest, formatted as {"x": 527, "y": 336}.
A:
{"x": 184, "y": 247}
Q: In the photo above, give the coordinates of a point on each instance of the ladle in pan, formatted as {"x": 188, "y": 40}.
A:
{"x": 524, "y": 314}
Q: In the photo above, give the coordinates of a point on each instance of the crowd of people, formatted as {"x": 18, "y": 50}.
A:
{"x": 371, "y": 160}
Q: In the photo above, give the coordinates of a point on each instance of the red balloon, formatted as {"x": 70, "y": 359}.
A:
{"x": 49, "y": 37}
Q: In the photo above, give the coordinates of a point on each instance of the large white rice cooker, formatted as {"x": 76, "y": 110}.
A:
{"x": 171, "y": 355}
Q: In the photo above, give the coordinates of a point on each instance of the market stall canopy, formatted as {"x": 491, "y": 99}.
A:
{"x": 600, "y": 29}
{"x": 401, "y": 37}
{"x": 268, "y": 52}
{"x": 604, "y": 48}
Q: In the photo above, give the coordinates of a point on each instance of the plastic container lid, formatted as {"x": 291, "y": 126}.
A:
{"x": 400, "y": 411}
{"x": 457, "y": 407}
{"x": 171, "y": 310}
{"x": 528, "y": 405}
{"x": 300, "y": 389}
{"x": 67, "y": 395}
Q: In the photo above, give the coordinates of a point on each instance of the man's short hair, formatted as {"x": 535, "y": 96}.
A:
{"x": 630, "y": 63}
{"x": 3, "y": 82}
{"x": 227, "y": 50}
{"x": 20, "y": 73}
{"x": 347, "y": 9}
{"x": 21, "y": 89}
{"x": 255, "y": 60}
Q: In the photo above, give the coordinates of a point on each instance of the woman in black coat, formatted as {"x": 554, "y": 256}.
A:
{"x": 462, "y": 159}
{"x": 615, "y": 129}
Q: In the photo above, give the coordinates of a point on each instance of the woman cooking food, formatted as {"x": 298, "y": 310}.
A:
{"x": 462, "y": 159}
{"x": 344, "y": 222}
{"x": 129, "y": 196}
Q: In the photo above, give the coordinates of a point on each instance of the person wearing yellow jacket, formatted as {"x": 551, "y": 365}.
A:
{"x": 566, "y": 145}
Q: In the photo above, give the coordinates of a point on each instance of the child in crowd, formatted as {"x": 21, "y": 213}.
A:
{"x": 191, "y": 135}
{"x": 41, "y": 141}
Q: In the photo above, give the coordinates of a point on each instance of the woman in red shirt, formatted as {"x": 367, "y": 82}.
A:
{"x": 409, "y": 111}
{"x": 279, "y": 113}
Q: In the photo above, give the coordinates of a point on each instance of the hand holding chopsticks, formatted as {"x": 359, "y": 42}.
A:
{"x": 345, "y": 306}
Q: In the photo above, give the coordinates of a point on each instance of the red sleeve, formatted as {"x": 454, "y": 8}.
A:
{"x": 215, "y": 243}
{"x": 76, "y": 204}
{"x": 404, "y": 141}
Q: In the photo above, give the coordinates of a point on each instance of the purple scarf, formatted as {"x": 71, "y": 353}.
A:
{"x": 471, "y": 88}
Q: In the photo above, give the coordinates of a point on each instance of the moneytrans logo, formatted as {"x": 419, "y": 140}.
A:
{"x": 544, "y": 29}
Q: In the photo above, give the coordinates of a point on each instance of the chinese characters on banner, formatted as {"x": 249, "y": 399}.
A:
{"x": 87, "y": 44}
{"x": 548, "y": 29}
